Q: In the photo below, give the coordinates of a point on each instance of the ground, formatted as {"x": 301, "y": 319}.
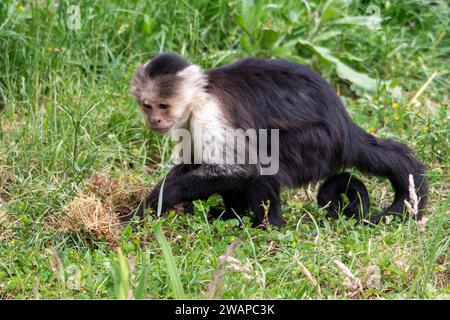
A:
{"x": 69, "y": 130}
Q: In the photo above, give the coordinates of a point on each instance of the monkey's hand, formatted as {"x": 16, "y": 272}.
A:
{"x": 170, "y": 198}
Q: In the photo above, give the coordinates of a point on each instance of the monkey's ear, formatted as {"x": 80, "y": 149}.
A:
{"x": 140, "y": 72}
{"x": 138, "y": 80}
{"x": 193, "y": 75}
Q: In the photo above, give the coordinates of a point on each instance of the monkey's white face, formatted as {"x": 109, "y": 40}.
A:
{"x": 157, "y": 115}
{"x": 166, "y": 101}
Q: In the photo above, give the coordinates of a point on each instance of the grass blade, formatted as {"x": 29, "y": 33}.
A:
{"x": 170, "y": 260}
{"x": 167, "y": 253}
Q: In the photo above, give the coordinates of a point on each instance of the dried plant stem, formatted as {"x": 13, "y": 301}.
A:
{"x": 57, "y": 267}
{"x": 311, "y": 279}
{"x": 413, "y": 204}
{"x": 351, "y": 283}
{"x": 213, "y": 289}
{"x": 423, "y": 88}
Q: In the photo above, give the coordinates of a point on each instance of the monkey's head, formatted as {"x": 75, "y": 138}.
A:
{"x": 164, "y": 88}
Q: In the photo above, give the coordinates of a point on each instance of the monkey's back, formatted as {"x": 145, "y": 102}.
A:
{"x": 280, "y": 94}
{"x": 278, "y": 89}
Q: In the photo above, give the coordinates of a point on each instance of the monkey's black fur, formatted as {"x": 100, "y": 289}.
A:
{"x": 330, "y": 195}
{"x": 318, "y": 139}
{"x": 165, "y": 64}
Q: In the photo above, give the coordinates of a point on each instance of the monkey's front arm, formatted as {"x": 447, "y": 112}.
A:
{"x": 183, "y": 184}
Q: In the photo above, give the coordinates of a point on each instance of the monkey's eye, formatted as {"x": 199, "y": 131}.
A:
{"x": 163, "y": 106}
{"x": 147, "y": 106}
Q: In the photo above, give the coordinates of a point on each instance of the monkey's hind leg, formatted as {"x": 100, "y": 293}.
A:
{"x": 357, "y": 204}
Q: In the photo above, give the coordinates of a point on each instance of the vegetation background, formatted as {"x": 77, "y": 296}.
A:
{"x": 68, "y": 123}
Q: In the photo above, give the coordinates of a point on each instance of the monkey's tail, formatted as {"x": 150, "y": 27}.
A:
{"x": 395, "y": 161}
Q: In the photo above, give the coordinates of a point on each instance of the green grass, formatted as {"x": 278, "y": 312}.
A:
{"x": 66, "y": 113}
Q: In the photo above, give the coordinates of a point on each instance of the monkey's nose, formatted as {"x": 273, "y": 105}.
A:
{"x": 155, "y": 121}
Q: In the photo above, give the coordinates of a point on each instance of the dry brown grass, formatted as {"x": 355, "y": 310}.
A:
{"x": 7, "y": 221}
{"x": 8, "y": 125}
{"x": 6, "y": 179}
{"x": 98, "y": 209}
{"x": 7, "y": 225}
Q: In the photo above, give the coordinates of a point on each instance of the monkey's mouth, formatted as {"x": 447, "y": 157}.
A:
{"x": 161, "y": 129}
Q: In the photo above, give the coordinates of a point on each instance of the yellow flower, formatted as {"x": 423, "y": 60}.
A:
{"x": 227, "y": 226}
{"x": 373, "y": 130}
{"x": 232, "y": 239}
{"x": 396, "y": 118}
{"x": 135, "y": 151}
{"x": 440, "y": 268}
{"x": 395, "y": 105}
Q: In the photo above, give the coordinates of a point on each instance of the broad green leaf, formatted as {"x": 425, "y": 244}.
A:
{"x": 269, "y": 37}
{"x": 282, "y": 52}
{"x": 360, "y": 79}
{"x": 140, "y": 290}
{"x": 121, "y": 276}
{"x": 146, "y": 25}
{"x": 245, "y": 42}
{"x": 331, "y": 10}
{"x": 241, "y": 23}
{"x": 251, "y": 15}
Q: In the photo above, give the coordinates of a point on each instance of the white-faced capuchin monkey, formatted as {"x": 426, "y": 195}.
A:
{"x": 317, "y": 139}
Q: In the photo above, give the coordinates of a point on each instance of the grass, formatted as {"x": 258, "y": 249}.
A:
{"x": 66, "y": 114}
